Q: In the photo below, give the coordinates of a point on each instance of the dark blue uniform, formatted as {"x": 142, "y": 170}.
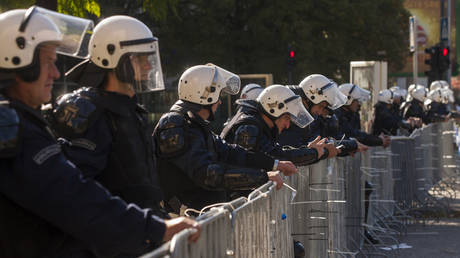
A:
{"x": 385, "y": 121}
{"x": 111, "y": 142}
{"x": 415, "y": 109}
{"x": 48, "y": 209}
{"x": 321, "y": 126}
{"x": 248, "y": 129}
{"x": 196, "y": 166}
{"x": 437, "y": 112}
{"x": 350, "y": 125}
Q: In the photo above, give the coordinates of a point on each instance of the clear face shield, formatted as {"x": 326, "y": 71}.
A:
{"x": 359, "y": 94}
{"x": 226, "y": 82}
{"x": 147, "y": 74}
{"x": 76, "y": 32}
{"x": 334, "y": 97}
{"x": 299, "y": 115}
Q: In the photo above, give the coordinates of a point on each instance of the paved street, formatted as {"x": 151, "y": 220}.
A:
{"x": 436, "y": 239}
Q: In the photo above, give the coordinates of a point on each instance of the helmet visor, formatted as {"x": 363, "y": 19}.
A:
{"x": 299, "y": 115}
{"x": 76, "y": 32}
{"x": 360, "y": 94}
{"x": 225, "y": 81}
{"x": 147, "y": 74}
{"x": 334, "y": 97}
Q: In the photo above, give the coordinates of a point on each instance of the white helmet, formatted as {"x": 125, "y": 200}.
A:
{"x": 447, "y": 95}
{"x": 385, "y": 96}
{"x": 444, "y": 84}
{"x": 435, "y": 95}
{"x": 277, "y": 100}
{"x": 251, "y": 91}
{"x": 436, "y": 85}
{"x": 22, "y": 31}
{"x": 25, "y": 30}
{"x": 202, "y": 84}
{"x": 353, "y": 91}
{"x": 419, "y": 93}
{"x": 127, "y": 45}
{"x": 398, "y": 92}
{"x": 319, "y": 88}
{"x": 411, "y": 88}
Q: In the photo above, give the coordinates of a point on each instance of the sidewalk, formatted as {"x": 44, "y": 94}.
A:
{"x": 436, "y": 239}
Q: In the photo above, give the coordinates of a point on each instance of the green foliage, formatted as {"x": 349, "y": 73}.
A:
{"x": 254, "y": 36}
{"x": 15, "y": 4}
{"x": 158, "y": 9}
{"x": 80, "y": 8}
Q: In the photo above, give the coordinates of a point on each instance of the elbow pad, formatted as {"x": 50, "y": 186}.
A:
{"x": 236, "y": 178}
{"x": 300, "y": 156}
{"x": 9, "y": 130}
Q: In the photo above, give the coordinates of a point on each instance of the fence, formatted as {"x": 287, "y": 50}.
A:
{"x": 324, "y": 205}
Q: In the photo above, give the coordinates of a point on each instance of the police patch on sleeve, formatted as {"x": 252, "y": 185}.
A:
{"x": 9, "y": 129}
{"x": 46, "y": 153}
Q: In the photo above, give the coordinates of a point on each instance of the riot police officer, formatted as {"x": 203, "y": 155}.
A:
{"x": 258, "y": 123}
{"x": 110, "y": 139}
{"x": 321, "y": 97}
{"x": 349, "y": 119}
{"x": 196, "y": 166}
{"x": 415, "y": 108}
{"x": 385, "y": 120}
{"x": 48, "y": 209}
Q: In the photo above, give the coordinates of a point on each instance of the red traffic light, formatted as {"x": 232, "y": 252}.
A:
{"x": 291, "y": 54}
{"x": 445, "y": 51}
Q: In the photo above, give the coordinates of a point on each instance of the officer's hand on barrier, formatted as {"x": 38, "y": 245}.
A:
{"x": 176, "y": 225}
{"x": 287, "y": 167}
{"x": 318, "y": 145}
{"x": 385, "y": 139}
{"x": 333, "y": 151}
{"x": 275, "y": 177}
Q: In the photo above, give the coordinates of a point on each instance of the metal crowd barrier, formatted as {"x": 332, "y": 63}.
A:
{"x": 323, "y": 206}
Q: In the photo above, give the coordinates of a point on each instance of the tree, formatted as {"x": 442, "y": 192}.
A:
{"x": 254, "y": 36}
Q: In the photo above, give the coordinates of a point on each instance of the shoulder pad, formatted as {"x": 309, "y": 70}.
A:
{"x": 74, "y": 112}
{"x": 170, "y": 135}
{"x": 9, "y": 129}
{"x": 246, "y": 136}
{"x": 170, "y": 120}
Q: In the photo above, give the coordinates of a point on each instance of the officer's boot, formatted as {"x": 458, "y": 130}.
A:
{"x": 299, "y": 250}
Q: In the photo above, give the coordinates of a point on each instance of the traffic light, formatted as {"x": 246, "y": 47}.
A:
{"x": 291, "y": 58}
{"x": 444, "y": 60}
{"x": 433, "y": 72}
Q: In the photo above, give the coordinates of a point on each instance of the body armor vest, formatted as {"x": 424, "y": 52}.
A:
{"x": 130, "y": 171}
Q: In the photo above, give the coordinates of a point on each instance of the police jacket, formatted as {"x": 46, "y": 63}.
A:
{"x": 321, "y": 126}
{"x": 248, "y": 129}
{"x": 350, "y": 125}
{"x": 48, "y": 209}
{"x": 385, "y": 121}
{"x": 415, "y": 109}
{"x": 196, "y": 166}
{"x": 110, "y": 142}
{"x": 437, "y": 112}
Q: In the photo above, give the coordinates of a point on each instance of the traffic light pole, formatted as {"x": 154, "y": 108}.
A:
{"x": 414, "y": 46}
{"x": 445, "y": 34}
